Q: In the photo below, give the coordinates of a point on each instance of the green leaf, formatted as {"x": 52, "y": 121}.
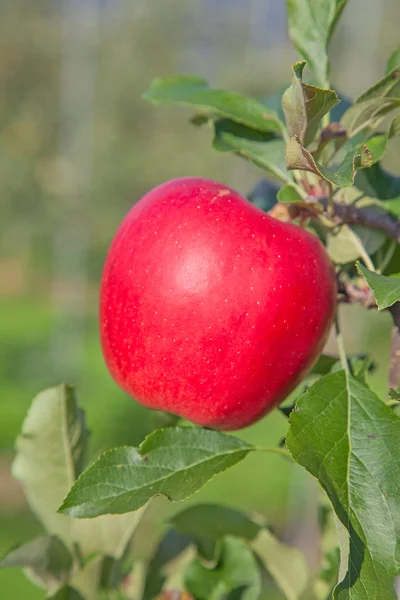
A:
{"x": 378, "y": 182}
{"x": 394, "y": 60}
{"x": 119, "y": 560}
{"x": 358, "y": 155}
{"x": 66, "y": 593}
{"x": 274, "y": 102}
{"x": 173, "y": 462}
{"x": 162, "y": 419}
{"x": 346, "y": 244}
{"x": 393, "y": 266}
{"x": 297, "y": 157}
{"x": 324, "y": 365}
{"x": 290, "y": 195}
{"x": 50, "y": 453}
{"x": 327, "y": 576}
{"x": 188, "y": 90}
{"x": 393, "y": 206}
{"x": 304, "y": 106}
{"x": 386, "y": 289}
{"x": 360, "y": 365}
{"x": 347, "y": 438}
{"x": 383, "y": 87}
{"x": 45, "y": 559}
{"x": 109, "y": 534}
{"x": 170, "y": 547}
{"x": 175, "y": 594}
{"x": 393, "y": 394}
{"x": 112, "y": 573}
{"x": 264, "y": 150}
{"x": 367, "y": 114}
{"x": 214, "y": 521}
{"x": 373, "y": 104}
{"x": 377, "y": 144}
{"x": 286, "y": 565}
{"x": 237, "y": 568}
{"x": 311, "y": 25}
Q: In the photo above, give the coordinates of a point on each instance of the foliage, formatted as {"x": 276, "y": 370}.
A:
{"x": 328, "y": 176}
{"x": 347, "y": 437}
{"x": 174, "y": 462}
{"x": 386, "y": 289}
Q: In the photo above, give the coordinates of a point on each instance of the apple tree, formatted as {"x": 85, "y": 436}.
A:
{"x": 213, "y": 308}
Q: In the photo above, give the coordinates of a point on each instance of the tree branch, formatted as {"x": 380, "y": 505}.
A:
{"x": 351, "y": 215}
{"x": 342, "y": 214}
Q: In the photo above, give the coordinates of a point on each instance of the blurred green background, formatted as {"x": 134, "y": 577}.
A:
{"x": 78, "y": 147}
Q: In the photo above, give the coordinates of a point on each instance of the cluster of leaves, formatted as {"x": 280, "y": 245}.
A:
{"x": 340, "y": 431}
{"x": 208, "y": 550}
{"x": 72, "y": 559}
{"x": 311, "y": 161}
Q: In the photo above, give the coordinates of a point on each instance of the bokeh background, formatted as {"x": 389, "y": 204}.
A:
{"x": 78, "y": 146}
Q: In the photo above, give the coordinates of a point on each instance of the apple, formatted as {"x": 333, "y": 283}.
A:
{"x": 211, "y": 309}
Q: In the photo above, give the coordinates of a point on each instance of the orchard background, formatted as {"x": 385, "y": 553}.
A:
{"x": 78, "y": 146}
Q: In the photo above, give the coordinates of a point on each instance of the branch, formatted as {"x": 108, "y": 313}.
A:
{"x": 351, "y": 215}
{"x": 342, "y": 214}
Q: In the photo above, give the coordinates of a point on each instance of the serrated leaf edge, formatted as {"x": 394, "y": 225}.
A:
{"x": 66, "y": 508}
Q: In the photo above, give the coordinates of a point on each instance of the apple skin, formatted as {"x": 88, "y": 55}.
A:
{"x": 210, "y": 309}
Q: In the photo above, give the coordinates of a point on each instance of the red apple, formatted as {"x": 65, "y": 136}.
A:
{"x": 210, "y": 308}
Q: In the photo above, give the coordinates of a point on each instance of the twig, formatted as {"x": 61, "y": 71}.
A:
{"x": 351, "y": 215}
{"x": 343, "y": 214}
{"x": 394, "y": 368}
